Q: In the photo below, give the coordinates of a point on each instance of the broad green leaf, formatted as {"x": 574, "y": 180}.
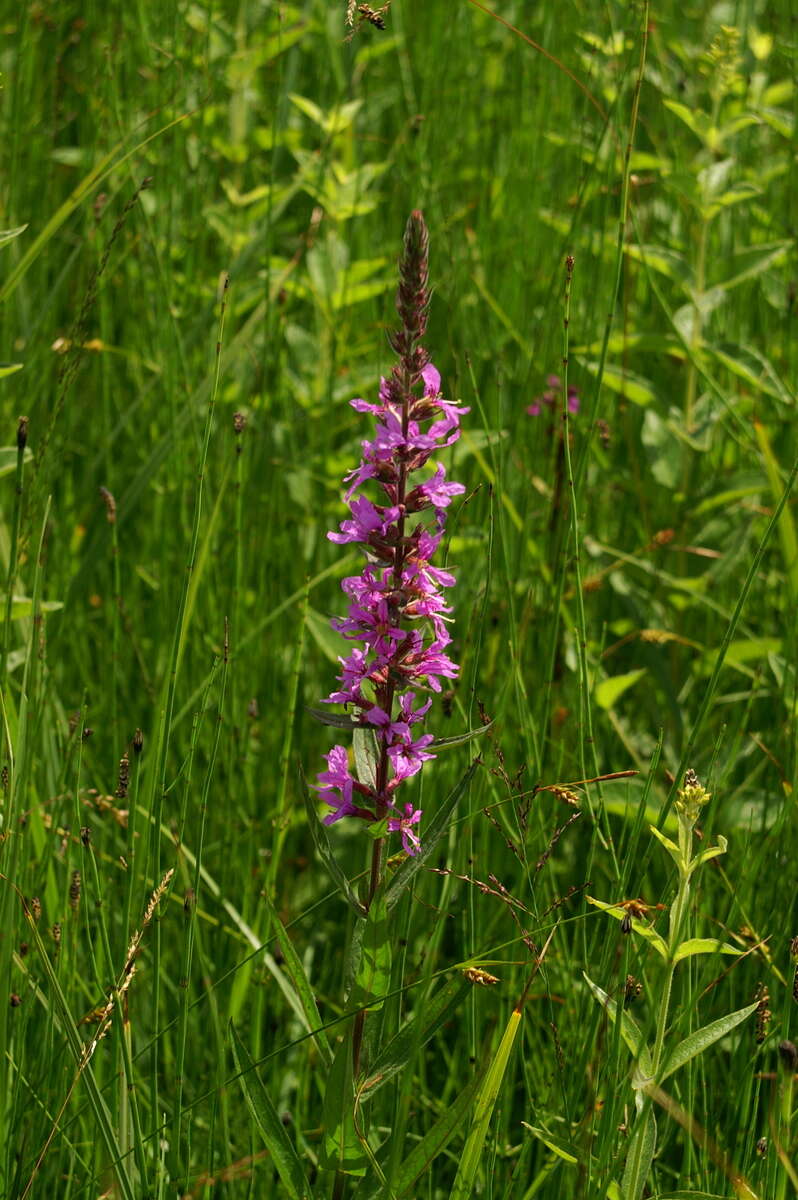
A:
{"x": 373, "y": 975}
{"x": 642, "y": 1145}
{"x": 753, "y": 367}
{"x": 608, "y": 692}
{"x": 267, "y": 1119}
{"x": 367, "y": 755}
{"x": 336, "y": 121}
{"x": 22, "y": 606}
{"x": 563, "y": 1149}
{"x": 630, "y": 1030}
{"x": 695, "y": 946}
{"x": 292, "y": 966}
{"x": 341, "y": 1148}
{"x": 414, "y": 1034}
{"x": 625, "y": 383}
{"x": 9, "y": 369}
{"x": 8, "y": 235}
{"x": 8, "y": 458}
{"x": 318, "y": 831}
{"x": 645, "y": 931}
{"x": 748, "y": 263}
{"x": 696, "y": 1043}
{"x": 695, "y": 120}
{"x": 433, "y": 1142}
{"x": 710, "y": 853}
{"x": 430, "y": 837}
{"x": 667, "y": 262}
{"x": 483, "y": 1111}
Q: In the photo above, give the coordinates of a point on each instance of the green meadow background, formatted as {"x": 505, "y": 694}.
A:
{"x": 151, "y": 151}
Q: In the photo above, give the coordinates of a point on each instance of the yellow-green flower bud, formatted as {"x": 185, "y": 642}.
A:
{"x": 691, "y": 798}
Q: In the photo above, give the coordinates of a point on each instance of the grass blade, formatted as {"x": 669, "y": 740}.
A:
{"x": 267, "y": 1119}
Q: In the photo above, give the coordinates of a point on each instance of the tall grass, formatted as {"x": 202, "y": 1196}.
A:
{"x": 625, "y": 600}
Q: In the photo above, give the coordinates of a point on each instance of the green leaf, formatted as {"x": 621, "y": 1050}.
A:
{"x": 608, "y": 692}
{"x": 710, "y": 853}
{"x": 748, "y": 263}
{"x": 459, "y": 739}
{"x": 485, "y": 1103}
{"x": 688, "y": 1196}
{"x": 667, "y": 262}
{"x": 341, "y": 1149}
{"x": 337, "y": 720}
{"x": 373, "y": 975}
{"x": 292, "y": 966}
{"x": 564, "y": 1150}
{"x": 8, "y": 235}
{"x": 414, "y": 1034}
{"x": 367, "y": 755}
{"x": 645, "y": 931}
{"x": 670, "y": 846}
{"x": 9, "y": 369}
{"x": 8, "y": 458}
{"x": 753, "y": 367}
{"x": 429, "y": 840}
{"x": 625, "y": 383}
{"x": 696, "y": 1043}
{"x": 318, "y": 831}
{"x": 630, "y": 1030}
{"x": 22, "y": 606}
{"x": 267, "y": 1119}
{"x": 695, "y": 946}
{"x": 642, "y": 1145}
{"x": 433, "y": 1142}
{"x": 695, "y": 120}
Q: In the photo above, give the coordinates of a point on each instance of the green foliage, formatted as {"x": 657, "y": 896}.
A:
{"x": 284, "y": 153}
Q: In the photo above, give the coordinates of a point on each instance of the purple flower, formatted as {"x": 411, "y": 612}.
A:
{"x": 404, "y": 825}
{"x": 551, "y": 397}
{"x": 396, "y": 607}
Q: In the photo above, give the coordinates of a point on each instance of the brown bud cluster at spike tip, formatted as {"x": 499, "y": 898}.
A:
{"x": 412, "y": 297}
{"x": 788, "y": 1055}
{"x": 138, "y": 742}
{"x": 763, "y": 1013}
{"x": 74, "y": 891}
{"x": 22, "y": 433}
{"x": 110, "y": 505}
{"x": 124, "y": 778}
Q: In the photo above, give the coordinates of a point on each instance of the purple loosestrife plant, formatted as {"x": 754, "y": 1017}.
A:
{"x": 397, "y": 613}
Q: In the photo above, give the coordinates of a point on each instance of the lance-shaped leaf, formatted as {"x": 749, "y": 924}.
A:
{"x": 458, "y": 739}
{"x": 630, "y": 1030}
{"x": 619, "y": 913}
{"x": 373, "y": 972}
{"x": 431, "y": 835}
{"x": 337, "y": 720}
{"x": 559, "y": 1146}
{"x": 414, "y": 1034}
{"x": 341, "y": 1148}
{"x": 642, "y": 1145}
{"x": 436, "y": 1139}
{"x": 367, "y": 755}
{"x": 696, "y": 1043}
{"x": 703, "y": 946}
{"x": 265, "y": 1115}
{"x": 295, "y": 971}
{"x": 483, "y": 1111}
